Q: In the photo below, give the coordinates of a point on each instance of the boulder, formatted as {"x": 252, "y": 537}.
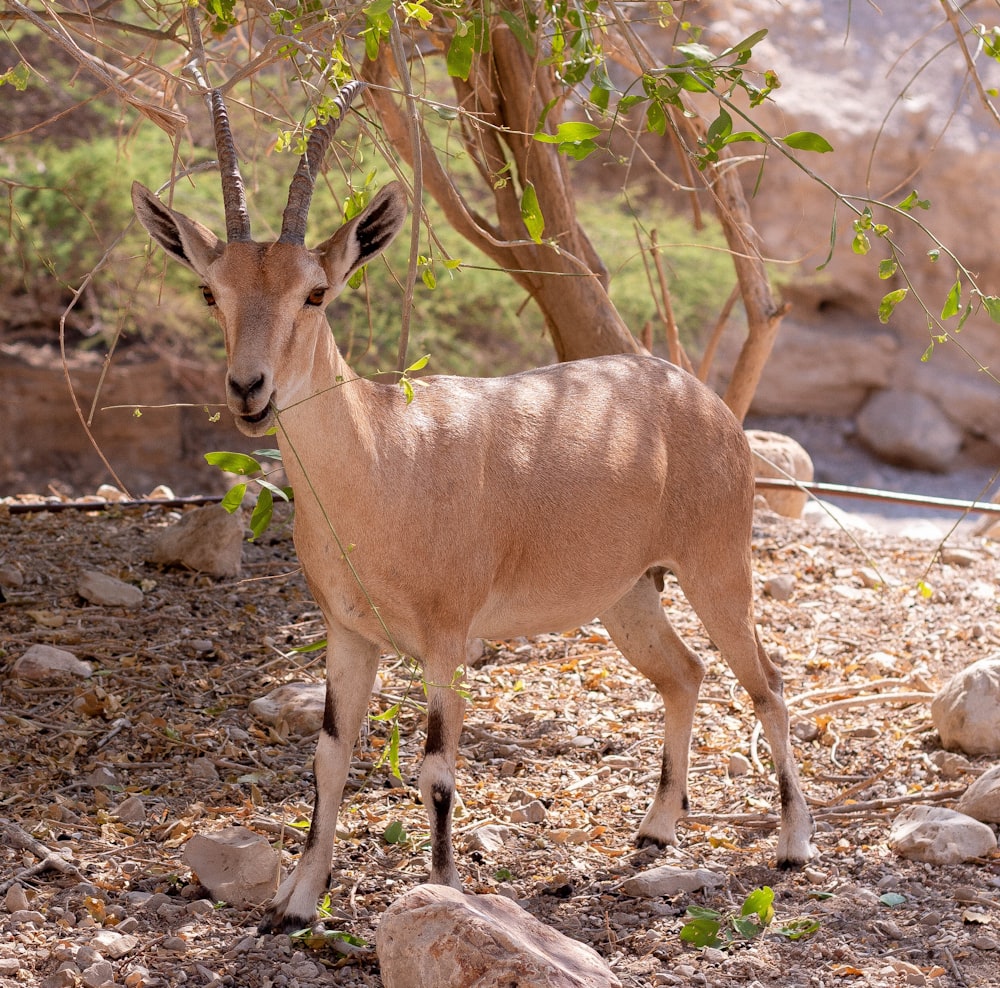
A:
{"x": 779, "y": 456}
{"x": 966, "y": 710}
{"x": 909, "y": 429}
{"x": 437, "y": 937}
{"x": 235, "y": 865}
{"x": 208, "y": 540}
{"x": 981, "y": 800}
{"x": 940, "y": 836}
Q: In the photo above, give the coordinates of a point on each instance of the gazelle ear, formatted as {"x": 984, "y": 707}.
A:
{"x": 365, "y": 237}
{"x": 185, "y": 240}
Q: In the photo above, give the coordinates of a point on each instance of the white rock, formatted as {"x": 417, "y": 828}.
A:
{"x": 940, "y": 836}
{"x": 16, "y": 899}
{"x": 236, "y": 865}
{"x": 910, "y": 429}
{"x": 108, "y": 591}
{"x": 208, "y": 540}
{"x": 297, "y": 707}
{"x": 966, "y": 711}
{"x": 981, "y": 800}
{"x": 667, "y": 880}
{"x": 490, "y": 838}
{"x": 131, "y": 810}
{"x": 437, "y": 937}
{"x": 109, "y": 492}
{"x": 738, "y": 765}
{"x": 779, "y": 456}
{"x": 42, "y": 662}
{"x": 531, "y": 812}
{"x": 113, "y": 944}
{"x": 781, "y": 586}
{"x": 98, "y": 974}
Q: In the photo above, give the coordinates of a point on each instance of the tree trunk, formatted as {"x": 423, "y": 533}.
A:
{"x": 508, "y": 93}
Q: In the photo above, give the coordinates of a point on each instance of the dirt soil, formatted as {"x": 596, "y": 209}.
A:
{"x": 562, "y": 718}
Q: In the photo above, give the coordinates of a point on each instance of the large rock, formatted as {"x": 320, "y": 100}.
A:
{"x": 776, "y": 456}
{"x": 235, "y": 865}
{"x": 909, "y": 429}
{"x": 966, "y": 710}
{"x": 437, "y": 937}
{"x": 981, "y": 800}
{"x": 940, "y": 836}
{"x": 208, "y": 540}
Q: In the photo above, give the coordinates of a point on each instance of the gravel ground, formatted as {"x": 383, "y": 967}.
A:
{"x": 560, "y": 718}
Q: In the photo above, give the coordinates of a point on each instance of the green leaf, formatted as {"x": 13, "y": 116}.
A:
{"x": 418, "y": 364}
{"x": 992, "y": 304}
{"x": 861, "y": 244}
{"x": 744, "y": 135}
{"x": 270, "y": 454}
{"x": 799, "y": 929}
{"x": 239, "y": 463}
{"x": 395, "y": 833}
{"x": 759, "y": 903}
{"x": 234, "y": 498}
{"x": 570, "y": 130}
{"x": 262, "y": 512}
{"x": 953, "y": 303}
{"x": 912, "y": 200}
{"x": 701, "y": 933}
{"x": 719, "y": 129}
{"x": 656, "y": 119}
{"x": 806, "y": 140}
{"x": 461, "y": 50}
{"x": 531, "y": 213}
{"x": 520, "y": 31}
{"x": 746, "y": 45}
{"x": 281, "y": 492}
{"x": 887, "y": 268}
{"x": 889, "y": 302}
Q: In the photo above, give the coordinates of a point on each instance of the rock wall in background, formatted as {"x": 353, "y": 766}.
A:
{"x": 896, "y": 102}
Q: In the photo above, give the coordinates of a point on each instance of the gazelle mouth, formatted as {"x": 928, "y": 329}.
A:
{"x": 259, "y": 417}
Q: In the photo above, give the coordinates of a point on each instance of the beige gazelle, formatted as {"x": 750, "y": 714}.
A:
{"x": 485, "y": 508}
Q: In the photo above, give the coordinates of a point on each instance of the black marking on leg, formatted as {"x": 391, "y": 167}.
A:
{"x": 666, "y": 772}
{"x": 435, "y": 733}
{"x": 441, "y": 798}
{"x": 685, "y": 806}
{"x": 330, "y": 715}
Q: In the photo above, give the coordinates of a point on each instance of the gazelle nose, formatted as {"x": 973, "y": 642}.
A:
{"x": 246, "y": 391}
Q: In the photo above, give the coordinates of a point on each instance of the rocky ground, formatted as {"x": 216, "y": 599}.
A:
{"x": 163, "y": 728}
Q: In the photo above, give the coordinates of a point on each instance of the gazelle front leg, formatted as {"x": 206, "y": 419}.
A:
{"x": 445, "y": 710}
{"x": 351, "y": 664}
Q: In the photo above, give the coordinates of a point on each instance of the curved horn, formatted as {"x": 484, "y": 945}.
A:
{"x": 293, "y": 220}
{"x": 233, "y": 194}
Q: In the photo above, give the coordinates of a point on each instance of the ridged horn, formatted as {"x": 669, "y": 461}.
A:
{"x": 293, "y": 220}
{"x": 233, "y": 193}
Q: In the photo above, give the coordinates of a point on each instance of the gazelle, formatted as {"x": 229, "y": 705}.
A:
{"x": 524, "y": 504}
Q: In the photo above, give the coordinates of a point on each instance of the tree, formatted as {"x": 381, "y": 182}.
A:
{"x": 531, "y": 90}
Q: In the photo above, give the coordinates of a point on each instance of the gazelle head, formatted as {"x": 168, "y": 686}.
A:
{"x": 270, "y": 298}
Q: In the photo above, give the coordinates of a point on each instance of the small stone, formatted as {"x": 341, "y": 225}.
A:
{"x": 208, "y": 540}
{"x": 533, "y": 812}
{"x": 16, "y": 900}
{"x": 107, "y": 591}
{"x": 113, "y": 944}
{"x": 780, "y": 587}
{"x": 43, "y": 662}
{"x": 667, "y": 880}
{"x": 108, "y": 492}
{"x": 131, "y": 810}
{"x": 162, "y": 493}
{"x": 297, "y": 708}
{"x": 98, "y": 974}
{"x": 489, "y": 838}
{"x": 957, "y": 556}
{"x": 10, "y": 576}
{"x": 203, "y": 768}
{"x": 235, "y": 864}
{"x": 981, "y": 800}
{"x": 738, "y": 765}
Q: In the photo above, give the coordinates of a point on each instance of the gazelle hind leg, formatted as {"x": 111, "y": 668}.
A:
{"x": 351, "y": 665}
{"x": 640, "y": 628}
{"x": 725, "y": 607}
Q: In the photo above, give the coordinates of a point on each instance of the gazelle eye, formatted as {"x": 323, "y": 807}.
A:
{"x": 206, "y": 294}
{"x": 316, "y": 296}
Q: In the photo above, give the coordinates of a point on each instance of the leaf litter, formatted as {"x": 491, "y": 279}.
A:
{"x": 559, "y": 754}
